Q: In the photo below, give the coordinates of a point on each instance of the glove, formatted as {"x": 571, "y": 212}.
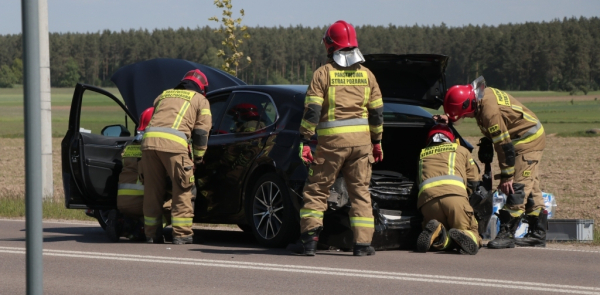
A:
{"x": 306, "y": 153}
{"x": 377, "y": 152}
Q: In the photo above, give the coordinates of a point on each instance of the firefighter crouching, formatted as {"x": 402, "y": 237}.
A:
{"x": 519, "y": 140}
{"x": 447, "y": 176}
{"x": 344, "y": 105}
{"x": 128, "y": 219}
{"x": 180, "y": 115}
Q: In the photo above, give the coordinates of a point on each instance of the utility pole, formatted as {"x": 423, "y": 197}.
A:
{"x": 46, "y": 116}
{"x": 33, "y": 146}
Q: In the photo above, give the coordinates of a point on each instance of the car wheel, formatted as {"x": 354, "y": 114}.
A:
{"x": 270, "y": 212}
{"x": 102, "y": 217}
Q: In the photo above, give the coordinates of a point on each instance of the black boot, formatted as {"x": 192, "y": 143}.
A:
{"x": 433, "y": 231}
{"x": 307, "y": 245}
{"x": 508, "y": 227}
{"x": 536, "y": 234}
{"x": 363, "y": 250}
{"x": 114, "y": 225}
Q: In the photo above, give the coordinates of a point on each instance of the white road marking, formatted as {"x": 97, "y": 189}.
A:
{"x": 521, "y": 285}
{"x": 558, "y": 249}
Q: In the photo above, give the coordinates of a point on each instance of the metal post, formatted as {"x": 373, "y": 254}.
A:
{"x": 46, "y": 116}
{"x": 33, "y": 146}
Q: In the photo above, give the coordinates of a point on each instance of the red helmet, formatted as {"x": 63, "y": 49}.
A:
{"x": 441, "y": 128}
{"x": 338, "y": 36}
{"x": 459, "y": 101}
{"x": 197, "y": 77}
{"x": 244, "y": 111}
{"x": 145, "y": 118}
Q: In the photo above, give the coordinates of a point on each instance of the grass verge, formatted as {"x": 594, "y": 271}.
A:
{"x": 13, "y": 206}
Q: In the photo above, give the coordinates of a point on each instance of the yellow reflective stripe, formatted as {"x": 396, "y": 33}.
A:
{"x": 150, "y": 221}
{"x": 514, "y": 213}
{"x": 434, "y": 150}
{"x": 165, "y": 222}
{"x": 331, "y": 110}
{"x": 471, "y": 161}
{"x": 526, "y": 116}
{"x": 451, "y": 161}
{"x": 205, "y": 112}
{"x": 532, "y": 137}
{"x": 199, "y": 153}
{"x": 472, "y": 236}
{"x": 132, "y": 151}
{"x": 376, "y": 129}
{"x": 365, "y": 102}
{"x": 165, "y": 135}
{"x": 181, "y": 221}
{"x": 446, "y": 243}
{"x": 308, "y": 125}
{"x": 178, "y": 93}
{"x": 362, "y": 222}
{"x": 130, "y": 192}
{"x": 180, "y": 115}
{"x": 535, "y": 212}
{"x": 442, "y": 182}
{"x": 313, "y": 100}
{"x": 500, "y": 137}
{"x": 501, "y": 97}
{"x": 508, "y": 171}
{"x": 348, "y": 78}
{"x": 376, "y": 103}
{"x": 343, "y": 129}
{"x": 306, "y": 213}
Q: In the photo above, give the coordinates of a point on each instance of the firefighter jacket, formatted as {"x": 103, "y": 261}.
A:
{"x": 180, "y": 117}
{"x": 344, "y": 106}
{"x": 511, "y": 126}
{"x": 129, "y": 182}
{"x": 446, "y": 169}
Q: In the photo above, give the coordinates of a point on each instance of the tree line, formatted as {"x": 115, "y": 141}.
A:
{"x": 560, "y": 55}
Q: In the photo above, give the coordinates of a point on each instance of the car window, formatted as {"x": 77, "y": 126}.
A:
{"x": 100, "y": 113}
{"x": 247, "y": 112}
{"x": 217, "y": 108}
{"x": 400, "y": 113}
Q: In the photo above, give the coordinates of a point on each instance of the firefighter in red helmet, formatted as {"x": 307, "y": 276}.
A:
{"x": 519, "y": 140}
{"x": 181, "y": 115}
{"x": 344, "y": 107}
{"x": 447, "y": 177}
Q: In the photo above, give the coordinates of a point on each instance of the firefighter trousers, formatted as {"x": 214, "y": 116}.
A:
{"x": 451, "y": 212}
{"x": 180, "y": 169}
{"x": 526, "y": 184}
{"x": 355, "y": 165}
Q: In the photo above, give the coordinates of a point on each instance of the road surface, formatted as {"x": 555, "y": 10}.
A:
{"x": 78, "y": 259}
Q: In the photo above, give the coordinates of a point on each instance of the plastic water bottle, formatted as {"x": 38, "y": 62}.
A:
{"x": 550, "y": 203}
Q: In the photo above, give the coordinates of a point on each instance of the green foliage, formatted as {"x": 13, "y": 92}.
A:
{"x": 70, "y": 76}
{"x": 231, "y": 55}
{"x": 17, "y": 68}
{"x": 7, "y": 77}
{"x": 276, "y": 79}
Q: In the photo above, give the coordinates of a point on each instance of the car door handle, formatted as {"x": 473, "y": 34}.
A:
{"x": 120, "y": 143}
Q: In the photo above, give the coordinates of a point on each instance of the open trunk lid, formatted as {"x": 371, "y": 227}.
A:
{"x": 415, "y": 79}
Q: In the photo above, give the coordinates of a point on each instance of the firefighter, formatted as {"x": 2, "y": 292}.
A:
{"x": 519, "y": 140}
{"x": 447, "y": 177}
{"x": 180, "y": 115}
{"x": 127, "y": 220}
{"x": 344, "y": 106}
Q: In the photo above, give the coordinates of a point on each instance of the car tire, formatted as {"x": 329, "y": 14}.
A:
{"x": 102, "y": 217}
{"x": 270, "y": 212}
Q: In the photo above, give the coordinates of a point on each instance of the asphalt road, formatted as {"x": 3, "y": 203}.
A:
{"x": 78, "y": 259}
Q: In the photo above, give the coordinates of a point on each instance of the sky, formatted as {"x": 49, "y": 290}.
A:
{"x": 116, "y": 15}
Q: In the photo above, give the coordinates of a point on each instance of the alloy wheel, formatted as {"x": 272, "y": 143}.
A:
{"x": 267, "y": 210}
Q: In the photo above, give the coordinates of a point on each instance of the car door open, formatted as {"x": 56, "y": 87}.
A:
{"x": 99, "y": 128}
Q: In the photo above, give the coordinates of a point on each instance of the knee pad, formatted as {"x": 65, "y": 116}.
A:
{"x": 518, "y": 197}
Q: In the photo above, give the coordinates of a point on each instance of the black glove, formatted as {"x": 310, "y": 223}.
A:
{"x": 486, "y": 150}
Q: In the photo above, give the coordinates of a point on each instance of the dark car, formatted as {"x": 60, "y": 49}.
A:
{"x": 253, "y": 176}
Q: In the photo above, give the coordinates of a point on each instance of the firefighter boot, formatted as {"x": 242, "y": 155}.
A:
{"x": 363, "y": 250}
{"x": 536, "y": 235}
{"x": 466, "y": 243}
{"x": 506, "y": 236}
{"x": 158, "y": 236}
{"x": 433, "y": 231}
{"x": 114, "y": 225}
{"x": 183, "y": 240}
{"x": 307, "y": 245}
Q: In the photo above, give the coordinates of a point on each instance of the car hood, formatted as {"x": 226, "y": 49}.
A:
{"x": 415, "y": 79}
{"x": 140, "y": 83}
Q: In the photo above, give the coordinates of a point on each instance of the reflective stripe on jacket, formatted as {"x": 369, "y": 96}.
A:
{"x": 343, "y": 106}
{"x": 129, "y": 183}
{"x": 507, "y": 122}
{"x": 180, "y": 117}
{"x": 444, "y": 169}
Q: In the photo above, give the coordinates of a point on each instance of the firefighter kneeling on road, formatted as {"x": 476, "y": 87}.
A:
{"x": 344, "y": 105}
{"x": 180, "y": 115}
{"x": 447, "y": 176}
{"x": 519, "y": 140}
{"x": 128, "y": 219}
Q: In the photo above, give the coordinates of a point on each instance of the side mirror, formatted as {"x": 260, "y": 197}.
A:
{"x": 116, "y": 131}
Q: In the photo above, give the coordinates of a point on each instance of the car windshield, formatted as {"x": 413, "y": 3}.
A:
{"x": 401, "y": 113}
